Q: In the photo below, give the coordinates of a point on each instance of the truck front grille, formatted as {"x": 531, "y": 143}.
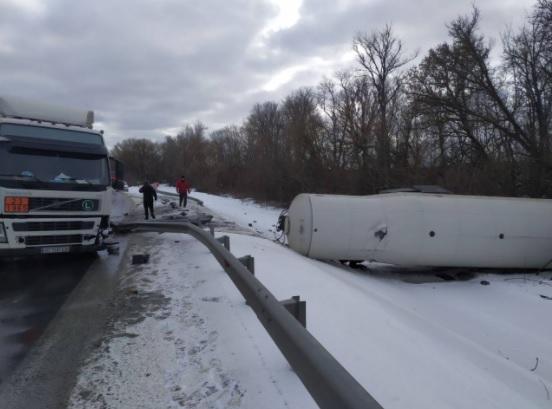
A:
{"x": 53, "y": 226}
{"x": 61, "y": 239}
{"x": 63, "y": 204}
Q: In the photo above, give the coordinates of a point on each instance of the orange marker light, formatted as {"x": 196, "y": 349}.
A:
{"x": 16, "y": 204}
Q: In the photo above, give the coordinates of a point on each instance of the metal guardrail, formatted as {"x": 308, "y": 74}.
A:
{"x": 328, "y": 382}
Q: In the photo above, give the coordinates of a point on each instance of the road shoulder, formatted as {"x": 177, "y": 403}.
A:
{"x": 47, "y": 374}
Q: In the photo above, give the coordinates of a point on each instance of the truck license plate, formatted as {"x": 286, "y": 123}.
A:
{"x": 55, "y": 250}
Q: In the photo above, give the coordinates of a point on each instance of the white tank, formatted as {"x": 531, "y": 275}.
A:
{"x": 420, "y": 229}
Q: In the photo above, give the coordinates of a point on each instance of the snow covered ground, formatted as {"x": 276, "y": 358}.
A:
{"x": 246, "y": 213}
{"x": 411, "y": 339}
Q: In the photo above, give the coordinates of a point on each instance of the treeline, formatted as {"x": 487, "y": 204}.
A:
{"x": 458, "y": 119}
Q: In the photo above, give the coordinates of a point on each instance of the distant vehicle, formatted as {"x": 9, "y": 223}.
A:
{"x": 55, "y": 190}
{"x": 423, "y": 229}
{"x": 117, "y": 174}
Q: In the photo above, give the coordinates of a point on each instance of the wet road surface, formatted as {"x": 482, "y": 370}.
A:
{"x": 32, "y": 289}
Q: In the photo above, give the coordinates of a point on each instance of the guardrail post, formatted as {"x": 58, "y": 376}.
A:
{"x": 225, "y": 241}
{"x": 212, "y": 230}
{"x": 297, "y": 308}
{"x": 249, "y": 262}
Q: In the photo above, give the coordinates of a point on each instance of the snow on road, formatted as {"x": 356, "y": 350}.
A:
{"x": 481, "y": 343}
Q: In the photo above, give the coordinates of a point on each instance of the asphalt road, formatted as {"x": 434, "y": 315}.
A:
{"x": 32, "y": 290}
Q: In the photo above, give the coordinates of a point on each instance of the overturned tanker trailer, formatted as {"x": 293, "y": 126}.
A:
{"x": 421, "y": 229}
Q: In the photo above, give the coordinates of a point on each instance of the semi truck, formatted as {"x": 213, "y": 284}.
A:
{"x": 55, "y": 184}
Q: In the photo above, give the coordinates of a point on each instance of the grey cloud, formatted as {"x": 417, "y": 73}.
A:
{"x": 142, "y": 65}
{"x": 145, "y": 66}
{"x": 420, "y": 24}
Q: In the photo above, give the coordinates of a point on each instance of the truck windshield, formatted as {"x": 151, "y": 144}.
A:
{"x": 42, "y": 169}
{"x": 35, "y": 166}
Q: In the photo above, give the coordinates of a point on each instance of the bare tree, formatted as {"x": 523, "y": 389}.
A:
{"x": 141, "y": 158}
{"x": 265, "y": 151}
{"x": 380, "y": 54}
{"x": 455, "y": 118}
{"x": 227, "y": 159}
{"x": 528, "y": 56}
{"x": 302, "y": 134}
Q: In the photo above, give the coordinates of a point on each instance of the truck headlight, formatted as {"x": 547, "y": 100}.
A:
{"x": 3, "y": 237}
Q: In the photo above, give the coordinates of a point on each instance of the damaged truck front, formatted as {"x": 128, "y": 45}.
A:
{"x": 55, "y": 193}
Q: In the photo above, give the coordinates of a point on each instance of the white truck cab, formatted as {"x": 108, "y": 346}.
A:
{"x": 55, "y": 190}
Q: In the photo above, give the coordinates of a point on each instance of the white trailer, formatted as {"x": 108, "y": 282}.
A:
{"x": 421, "y": 229}
{"x": 55, "y": 193}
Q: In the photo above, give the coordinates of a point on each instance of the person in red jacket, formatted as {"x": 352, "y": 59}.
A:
{"x": 183, "y": 188}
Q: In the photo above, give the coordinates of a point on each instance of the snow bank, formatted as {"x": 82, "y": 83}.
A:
{"x": 246, "y": 213}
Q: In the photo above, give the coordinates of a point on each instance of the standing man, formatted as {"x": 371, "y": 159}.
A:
{"x": 183, "y": 188}
{"x": 148, "y": 194}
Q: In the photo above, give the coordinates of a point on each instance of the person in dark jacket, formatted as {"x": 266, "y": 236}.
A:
{"x": 148, "y": 194}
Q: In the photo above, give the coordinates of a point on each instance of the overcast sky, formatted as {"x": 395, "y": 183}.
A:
{"x": 149, "y": 66}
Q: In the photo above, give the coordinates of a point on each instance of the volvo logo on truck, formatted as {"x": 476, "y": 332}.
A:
{"x": 55, "y": 192}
